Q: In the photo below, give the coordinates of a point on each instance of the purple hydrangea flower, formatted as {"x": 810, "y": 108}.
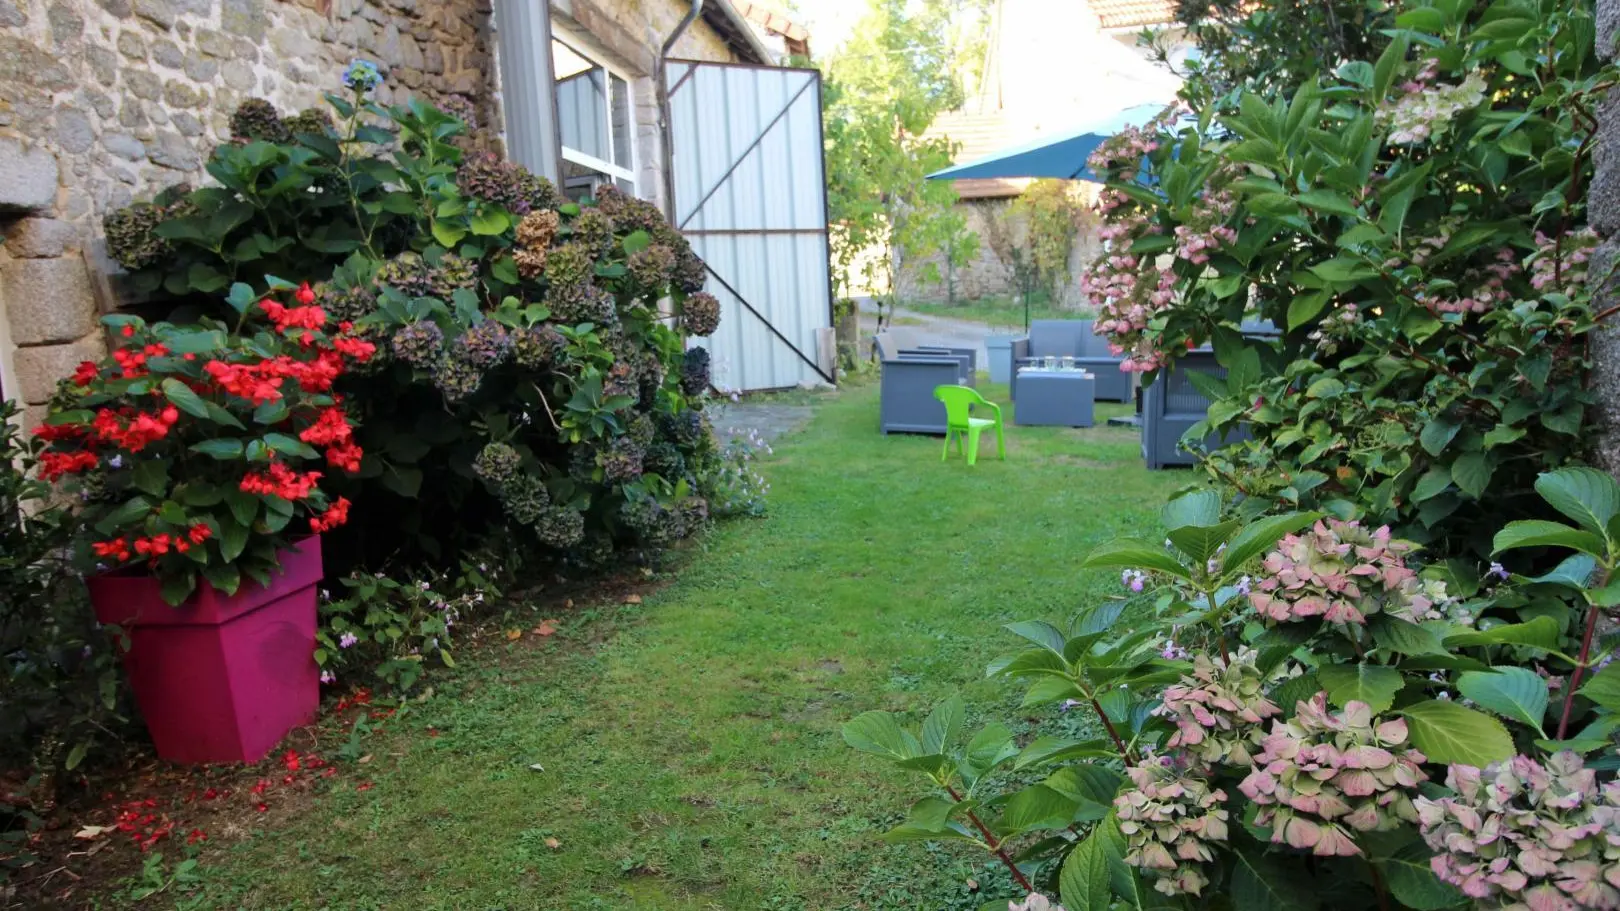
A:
{"x": 347, "y": 640}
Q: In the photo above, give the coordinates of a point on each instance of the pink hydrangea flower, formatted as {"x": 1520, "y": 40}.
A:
{"x": 1220, "y": 709}
{"x": 1170, "y": 818}
{"x": 1342, "y": 573}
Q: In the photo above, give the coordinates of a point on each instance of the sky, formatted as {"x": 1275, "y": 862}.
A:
{"x": 829, "y": 21}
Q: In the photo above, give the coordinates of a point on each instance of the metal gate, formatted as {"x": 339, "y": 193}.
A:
{"x": 751, "y": 196}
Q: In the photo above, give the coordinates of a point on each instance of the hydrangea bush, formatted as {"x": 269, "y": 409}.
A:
{"x": 1414, "y": 224}
{"x": 531, "y": 375}
{"x": 1361, "y": 753}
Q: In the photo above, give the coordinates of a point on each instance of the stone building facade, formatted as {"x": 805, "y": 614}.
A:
{"x": 103, "y": 102}
{"x": 1603, "y": 212}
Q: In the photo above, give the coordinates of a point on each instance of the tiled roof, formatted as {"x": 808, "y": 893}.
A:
{"x": 977, "y": 134}
{"x": 1133, "y": 13}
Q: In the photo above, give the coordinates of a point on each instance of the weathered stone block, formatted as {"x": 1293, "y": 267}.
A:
{"x": 167, "y": 53}
{"x": 143, "y": 84}
{"x": 40, "y": 238}
{"x": 124, "y": 145}
{"x": 40, "y": 369}
{"x": 12, "y": 14}
{"x": 1603, "y": 198}
{"x": 66, "y": 23}
{"x": 201, "y": 68}
{"x": 243, "y": 17}
{"x": 28, "y": 178}
{"x": 74, "y": 134}
{"x": 172, "y": 151}
{"x": 181, "y": 95}
{"x": 158, "y": 12}
{"x": 119, "y": 8}
{"x": 213, "y": 43}
{"x": 239, "y": 76}
{"x": 131, "y": 45}
{"x": 48, "y": 301}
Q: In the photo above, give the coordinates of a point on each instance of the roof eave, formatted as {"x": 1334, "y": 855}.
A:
{"x": 737, "y": 32}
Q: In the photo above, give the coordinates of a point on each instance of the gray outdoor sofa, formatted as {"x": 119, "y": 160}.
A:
{"x": 1171, "y": 404}
{"x": 1073, "y": 338}
{"x": 910, "y": 376}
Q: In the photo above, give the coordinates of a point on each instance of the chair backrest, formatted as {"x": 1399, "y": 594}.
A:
{"x": 1094, "y": 345}
{"x": 958, "y": 401}
{"x": 1058, "y": 337}
{"x": 886, "y": 348}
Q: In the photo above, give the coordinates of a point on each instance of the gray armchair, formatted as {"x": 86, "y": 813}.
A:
{"x": 908, "y": 382}
{"x": 1171, "y": 405}
{"x": 1073, "y": 338}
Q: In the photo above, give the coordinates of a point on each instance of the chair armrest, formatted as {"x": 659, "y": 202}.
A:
{"x": 1020, "y": 347}
{"x": 990, "y": 405}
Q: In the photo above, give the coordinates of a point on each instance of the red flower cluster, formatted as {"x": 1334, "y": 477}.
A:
{"x": 332, "y": 518}
{"x": 332, "y": 430}
{"x": 281, "y": 481}
{"x": 88, "y": 372}
{"x": 130, "y": 361}
{"x": 145, "y": 826}
{"x": 117, "y": 548}
{"x": 50, "y": 433}
{"x": 154, "y": 546}
{"x": 248, "y": 381}
{"x": 357, "y": 349}
{"x": 131, "y": 429}
{"x": 289, "y": 318}
{"x": 53, "y": 465}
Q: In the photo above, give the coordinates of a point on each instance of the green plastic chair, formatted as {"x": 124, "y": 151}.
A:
{"x": 962, "y": 427}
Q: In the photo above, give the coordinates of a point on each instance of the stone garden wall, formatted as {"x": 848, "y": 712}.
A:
{"x": 103, "y": 102}
{"x": 1603, "y": 212}
{"x": 106, "y": 101}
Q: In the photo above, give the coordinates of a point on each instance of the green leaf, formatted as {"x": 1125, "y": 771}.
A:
{"x": 1134, "y": 555}
{"x": 1200, "y": 543}
{"x": 132, "y": 510}
{"x": 1541, "y": 533}
{"x": 1261, "y": 884}
{"x": 1540, "y": 632}
{"x": 943, "y": 725}
{"x": 1447, "y": 733}
{"x": 1087, "y": 783}
{"x": 233, "y": 538}
{"x": 1405, "y": 638}
{"x": 1370, "y": 683}
{"x": 222, "y": 449}
{"x": 636, "y": 241}
{"x": 1039, "y": 632}
{"x": 490, "y": 222}
{"x": 244, "y": 506}
{"x": 241, "y": 297}
{"x": 990, "y": 747}
{"x": 1413, "y": 883}
{"x": 1436, "y": 435}
{"x": 448, "y": 234}
{"x": 1261, "y": 535}
{"x": 881, "y": 733}
{"x": 1202, "y": 507}
{"x": 1084, "y": 882}
{"x": 1604, "y": 688}
{"x": 1035, "y": 807}
{"x": 1048, "y": 748}
{"x": 183, "y": 398}
{"x": 176, "y": 587}
{"x": 1575, "y": 571}
{"x": 1295, "y": 690}
{"x": 1306, "y": 307}
{"x": 1328, "y": 201}
{"x": 226, "y": 577}
{"x": 151, "y": 476}
{"x": 1588, "y": 496}
{"x": 1472, "y": 472}
{"x": 1512, "y": 692}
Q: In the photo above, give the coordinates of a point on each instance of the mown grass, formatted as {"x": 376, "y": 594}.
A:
{"x": 690, "y": 744}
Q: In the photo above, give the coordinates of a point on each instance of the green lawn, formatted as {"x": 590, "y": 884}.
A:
{"x": 996, "y": 312}
{"x": 690, "y": 745}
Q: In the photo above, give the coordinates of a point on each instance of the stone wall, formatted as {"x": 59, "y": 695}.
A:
{"x": 103, "y": 102}
{"x": 1603, "y": 210}
{"x": 989, "y": 273}
{"x": 106, "y": 101}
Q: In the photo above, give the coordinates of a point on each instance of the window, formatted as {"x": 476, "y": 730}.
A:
{"x": 595, "y": 121}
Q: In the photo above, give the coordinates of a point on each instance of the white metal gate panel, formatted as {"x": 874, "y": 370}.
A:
{"x": 750, "y": 195}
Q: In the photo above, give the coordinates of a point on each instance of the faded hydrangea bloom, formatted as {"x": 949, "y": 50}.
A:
{"x": 1424, "y": 109}
{"x": 1169, "y": 819}
{"x": 1324, "y": 771}
{"x": 525, "y": 498}
{"x": 497, "y": 463}
{"x": 419, "y": 344}
{"x": 700, "y": 314}
{"x": 1342, "y": 573}
{"x": 456, "y": 379}
{"x": 1035, "y": 902}
{"x": 484, "y": 345}
{"x": 1219, "y": 711}
{"x": 1523, "y": 835}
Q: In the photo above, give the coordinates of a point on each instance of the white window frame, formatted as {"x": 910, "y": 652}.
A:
{"x": 572, "y": 40}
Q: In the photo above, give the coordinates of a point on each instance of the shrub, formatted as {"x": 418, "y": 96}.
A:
{"x": 1415, "y": 226}
{"x": 1305, "y": 749}
{"x": 59, "y": 682}
{"x": 191, "y": 447}
{"x": 503, "y": 315}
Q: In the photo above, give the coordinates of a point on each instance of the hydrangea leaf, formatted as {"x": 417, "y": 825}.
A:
{"x": 1259, "y": 536}
{"x": 881, "y": 733}
{"x": 1512, "y": 692}
{"x": 1036, "y": 807}
{"x": 1199, "y": 508}
{"x": 1134, "y": 555}
{"x": 1588, "y": 496}
{"x": 943, "y": 724}
{"x": 1085, "y": 881}
{"x": 1541, "y": 533}
{"x": 1446, "y": 732}
{"x": 1540, "y": 633}
{"x": 1414, "y": 884}
{"x": 1260, "y": 884}
{"x": 1370, "y": 683}
{"x": 1604, "y": 689}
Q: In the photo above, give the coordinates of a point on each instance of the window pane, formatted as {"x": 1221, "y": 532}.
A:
{"x": 623, "y": 132}
{"x": 581, "y": 101}
{"x": 580, "y": 182}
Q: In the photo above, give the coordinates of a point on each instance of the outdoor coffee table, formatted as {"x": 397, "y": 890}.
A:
{"x": 1055, "y": 398}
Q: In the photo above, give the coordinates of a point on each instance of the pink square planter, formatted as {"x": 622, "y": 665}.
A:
{"x": 221, "y": 678}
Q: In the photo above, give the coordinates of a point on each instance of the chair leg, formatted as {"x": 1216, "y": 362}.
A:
{"x": 1001, "y": 442}
{"x": 973, "y": 446}
{"x": 947, "y": 453}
